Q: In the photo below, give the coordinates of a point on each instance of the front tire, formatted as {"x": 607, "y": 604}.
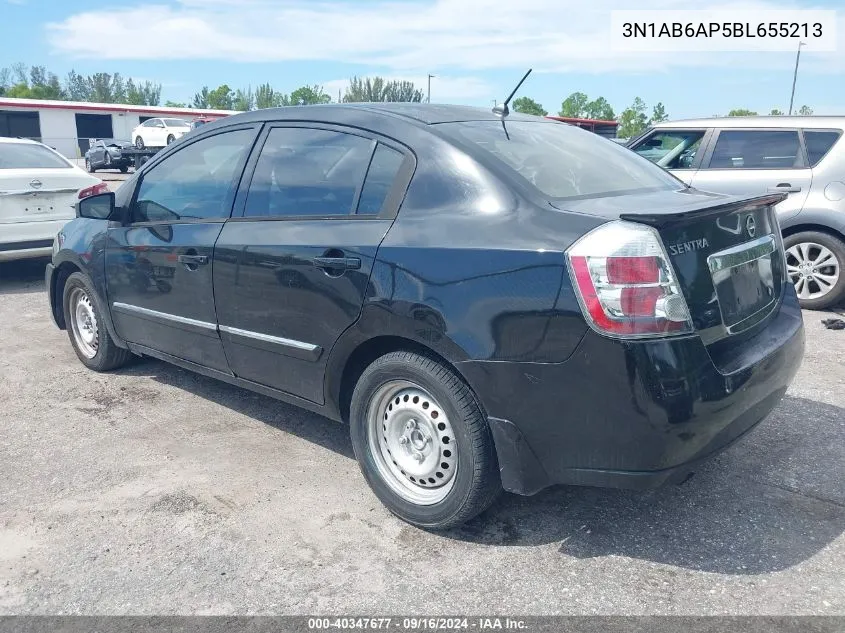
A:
{"x": 85, "y": 327}
{"x": 815, "y": 262}
{"x": 88, "y": 166}
{"x": 422, "y": 442}
{"x": 139, "y": 142}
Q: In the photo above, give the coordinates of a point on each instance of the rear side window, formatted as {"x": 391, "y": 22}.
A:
{"x": 308, "y": 172}
{"x": 671, "y": 149}
{"x": 819, "y": 143}
{"x": 757, "y": 149}
{"x": 26, "y": 156}
{"x": 559, "y": 160}
{"x": 197, "y": 182}
{"x": 380, "y": 177}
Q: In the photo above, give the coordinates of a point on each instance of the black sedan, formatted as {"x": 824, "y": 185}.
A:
{"x": 108, "y": 153}
{"x": 489, "y": 301}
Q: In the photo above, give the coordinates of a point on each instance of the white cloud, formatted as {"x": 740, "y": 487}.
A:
{"x": 402, "y": 36}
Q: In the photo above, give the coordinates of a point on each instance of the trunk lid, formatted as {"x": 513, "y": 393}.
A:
{"x": 726, "y": 251}
{"x": 40, "y": 195}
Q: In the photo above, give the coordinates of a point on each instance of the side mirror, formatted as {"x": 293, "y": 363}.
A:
{"x": 99, "y": 207}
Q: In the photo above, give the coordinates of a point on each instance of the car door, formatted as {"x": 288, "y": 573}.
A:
{"x": 678, "y": 150}
{"x": 757, "y": 161}
{"x": 96, "y": 157}
{"x": 159, "y": 263}
{"x": 159, "y": 133}
{"x": 291, "y": 273}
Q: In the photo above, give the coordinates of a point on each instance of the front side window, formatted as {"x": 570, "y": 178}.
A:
{"x": 197, "y": 182}
{"x": 559, "y": 160}
{"x": 671, "y": 149}
{"x": 308, "y": 172}
{"x": 819, "y": 143}
{"x": 26, "y": 156}
{"x": 757, "y": 149}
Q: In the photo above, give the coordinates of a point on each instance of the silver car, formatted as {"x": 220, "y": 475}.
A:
{"x": 801, "y": 156}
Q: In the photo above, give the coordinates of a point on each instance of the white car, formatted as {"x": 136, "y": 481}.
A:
{"x": 39, "y": 189}
{"x": 159, "y": 132}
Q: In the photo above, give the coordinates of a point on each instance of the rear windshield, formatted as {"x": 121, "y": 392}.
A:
{"x": 26, "y": 156}
{"x": 562, "y": 161}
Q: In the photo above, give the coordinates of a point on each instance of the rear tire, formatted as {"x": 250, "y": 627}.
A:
{"x": 816, "y": 265}
{"x": 86, "y": 327}
{"x": 170, "y": 139}
{"x": 124, "y": 169}
{"x": 422, "y": 442}
{"x": 139, "y": 142}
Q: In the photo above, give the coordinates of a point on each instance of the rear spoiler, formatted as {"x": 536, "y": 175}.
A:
{"x": 705, "y": 210}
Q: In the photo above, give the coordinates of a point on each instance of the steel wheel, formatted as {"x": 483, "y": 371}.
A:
{"x": 83, "y": 323}
{"x": 412, "y": 442}
{"x": 813, "y": 268}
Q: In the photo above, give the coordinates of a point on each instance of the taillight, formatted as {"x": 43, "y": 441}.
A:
{"x": 93, "y": 190}
{"x": 625, "y": 284}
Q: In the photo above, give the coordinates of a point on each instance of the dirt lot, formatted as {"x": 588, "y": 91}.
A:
{"x": 153, "y": 490}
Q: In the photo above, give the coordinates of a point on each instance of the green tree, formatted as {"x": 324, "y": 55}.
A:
{"x": 633, "y": 119}
{"x": 527, "y": 105}
{"x": 244, "y": 100}
{"x": 174, "y": 104}
{"x": 377, "y": 89}
{"x": 76, "y": 87}
{"x": 805, "y": 111}
{"x": 5, "y": 80}
{"x": 575, "y": 105}
{"x": 742, "y": 112}
{"x": 308, "y": 95}
{"x": 776, "y": 112}
{"x": 201, "y": 98}
{"x": 221, "y": 98}
{"x": 267, "y": 97}
{"x": 658, "y": 114}
{"x": 599, "y": 109}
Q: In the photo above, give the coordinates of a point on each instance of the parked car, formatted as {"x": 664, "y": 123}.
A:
{"x": 159, "y": 132}
{"x": 489, "y": 303}
{"x": 38, "y": 190}
{"x": 801, "y": 156}
{"x": 107, "y": 153}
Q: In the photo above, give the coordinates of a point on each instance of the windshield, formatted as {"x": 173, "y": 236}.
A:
{"x": 562, "y": 161}
{"x": 26, "y": 156}
{"x": 176, "y": 123}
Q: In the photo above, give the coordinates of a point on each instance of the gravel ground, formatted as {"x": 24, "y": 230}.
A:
{"x": 155, "y": 491}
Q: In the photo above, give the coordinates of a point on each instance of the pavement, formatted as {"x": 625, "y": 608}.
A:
{"x": 152, "y": 490}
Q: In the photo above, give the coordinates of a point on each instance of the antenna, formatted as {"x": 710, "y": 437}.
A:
{"x": 503, "y": 110}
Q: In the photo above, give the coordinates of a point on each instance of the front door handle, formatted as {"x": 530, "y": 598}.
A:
{"x": 337, "y": 263}
{"x": 192, "y": 261}
{"x": 784, "y": 187}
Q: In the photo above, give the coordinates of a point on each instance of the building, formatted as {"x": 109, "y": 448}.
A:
{"x": 602, "y": 128}
{"x": 67, "y": 126}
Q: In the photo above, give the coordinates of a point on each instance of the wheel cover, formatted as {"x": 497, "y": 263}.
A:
{"x": 813, "y": 268}
{"x": 412, "y": 442}
{"x": 83, "y": 323}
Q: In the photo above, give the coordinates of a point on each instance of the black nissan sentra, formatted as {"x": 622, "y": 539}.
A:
{"x": 490, "y": 301}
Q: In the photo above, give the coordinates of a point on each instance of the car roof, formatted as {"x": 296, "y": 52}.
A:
{"x": 780, "y": 121}
{"x": 9, "y": 139}
{"x": 418, "y": 113}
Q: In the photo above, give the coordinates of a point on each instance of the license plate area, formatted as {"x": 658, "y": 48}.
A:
{"x": 746, "y": 279}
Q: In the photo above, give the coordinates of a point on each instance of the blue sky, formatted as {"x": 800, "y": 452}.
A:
{"x": 477, "y": 49}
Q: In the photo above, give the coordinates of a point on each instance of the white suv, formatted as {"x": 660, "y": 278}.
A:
{"x": 39, "y": 189}
{"x": 801, "y": 156}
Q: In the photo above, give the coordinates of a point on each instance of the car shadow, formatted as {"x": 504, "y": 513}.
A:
{"x": 771, "y": 501}
{"x": 280, "y": 415}
{"x": 23, "y": 276}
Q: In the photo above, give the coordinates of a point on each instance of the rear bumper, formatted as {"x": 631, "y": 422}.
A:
{"x": 631, "y": 414}
{"x": 21, "y": 240}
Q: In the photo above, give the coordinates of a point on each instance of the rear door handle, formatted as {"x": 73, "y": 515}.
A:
{"x": 337, "y": 263}
{"x": 784, "y": 187}
{"x": 193, "y": 260}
